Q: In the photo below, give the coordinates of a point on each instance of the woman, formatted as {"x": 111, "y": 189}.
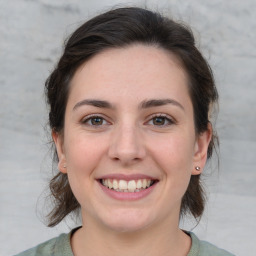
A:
{"x": 130, "y": 101}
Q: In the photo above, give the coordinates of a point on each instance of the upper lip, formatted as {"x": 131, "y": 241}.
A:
{"x": 120, "y": 176}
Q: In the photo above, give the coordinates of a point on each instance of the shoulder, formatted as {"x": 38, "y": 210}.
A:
{"x": 203, "y": 248}
{"x": 58, "y": 246}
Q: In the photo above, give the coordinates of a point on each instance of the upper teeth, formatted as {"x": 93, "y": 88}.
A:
{"x": 127, "y": 186}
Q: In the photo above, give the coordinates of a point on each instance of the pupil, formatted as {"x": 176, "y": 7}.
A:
{"x": 159, "y": 120}
{"x": 97, "y": 121}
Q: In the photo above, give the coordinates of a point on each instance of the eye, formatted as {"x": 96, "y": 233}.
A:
{"x": 161, "y": 120}
{"x": 94, "y": 121}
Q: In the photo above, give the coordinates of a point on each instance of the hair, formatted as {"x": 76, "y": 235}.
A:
{"x": 119, "y": 28}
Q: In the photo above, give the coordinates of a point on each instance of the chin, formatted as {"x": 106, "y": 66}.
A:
{"x": 126, "y": 227}
{"x": 127, "y": 221}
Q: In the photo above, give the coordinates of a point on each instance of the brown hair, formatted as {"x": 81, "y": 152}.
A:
{"x": 119, "y": 28}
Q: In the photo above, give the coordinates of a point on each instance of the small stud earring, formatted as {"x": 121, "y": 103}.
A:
{"x": 64, "y": 166}
{"x": 197, "y": 168}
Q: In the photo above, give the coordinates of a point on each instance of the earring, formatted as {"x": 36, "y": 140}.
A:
{"x": 64, "y": 166}
{"x": 197, "y": 168}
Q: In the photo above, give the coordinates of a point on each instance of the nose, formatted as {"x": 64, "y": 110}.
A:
{"x": 127, "y": 145}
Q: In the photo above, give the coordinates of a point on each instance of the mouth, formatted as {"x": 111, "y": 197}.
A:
{"x": 128, "y": 186}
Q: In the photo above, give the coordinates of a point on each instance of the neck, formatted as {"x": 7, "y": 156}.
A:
{"x": 164, "y": 239}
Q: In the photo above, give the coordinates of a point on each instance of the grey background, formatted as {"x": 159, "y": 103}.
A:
{"x": 31, "y": 36}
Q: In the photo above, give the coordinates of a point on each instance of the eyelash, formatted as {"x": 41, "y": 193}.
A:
{"x": 167, "y": 118}
{"x": 91, "y": 117}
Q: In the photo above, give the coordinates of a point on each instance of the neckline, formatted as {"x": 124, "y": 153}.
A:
{"x": 194, "y": 250}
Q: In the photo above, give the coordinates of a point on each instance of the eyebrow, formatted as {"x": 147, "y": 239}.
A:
{"x": 95, "y": 103}
{"x": 143, "y": 105}
{"x": 159, "y": 102}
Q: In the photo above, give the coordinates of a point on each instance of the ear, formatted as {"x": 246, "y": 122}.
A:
{"x": 58, "y": 140}
{"x": 201, "y": 148}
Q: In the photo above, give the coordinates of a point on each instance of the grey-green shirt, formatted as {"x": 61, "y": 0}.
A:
{"x": 60, "y": 246}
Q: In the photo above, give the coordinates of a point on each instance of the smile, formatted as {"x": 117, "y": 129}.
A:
{"x": 127, "y": 186}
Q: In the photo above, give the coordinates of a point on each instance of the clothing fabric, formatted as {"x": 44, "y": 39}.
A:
{"x": 60, "y": 246}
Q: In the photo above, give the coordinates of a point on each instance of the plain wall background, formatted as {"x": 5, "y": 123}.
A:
{"x": 31, "y": 38}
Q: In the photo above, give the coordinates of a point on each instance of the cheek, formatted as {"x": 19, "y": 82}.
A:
{"x": 175, "y": 151}
{"x": 83, "y": 156}
{"x": 83, "y": 153}
{"x": 175, "y": 159}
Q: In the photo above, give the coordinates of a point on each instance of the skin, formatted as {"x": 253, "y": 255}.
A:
{"x": 128, "y": 140}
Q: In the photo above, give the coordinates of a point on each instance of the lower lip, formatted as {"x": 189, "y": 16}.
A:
{"x": 128, "y": 195}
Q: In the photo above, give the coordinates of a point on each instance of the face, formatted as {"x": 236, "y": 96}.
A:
{"x": 129, "y": 142}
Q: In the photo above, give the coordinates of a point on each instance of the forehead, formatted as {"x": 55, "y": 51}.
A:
{"x": 133, "y": 72}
